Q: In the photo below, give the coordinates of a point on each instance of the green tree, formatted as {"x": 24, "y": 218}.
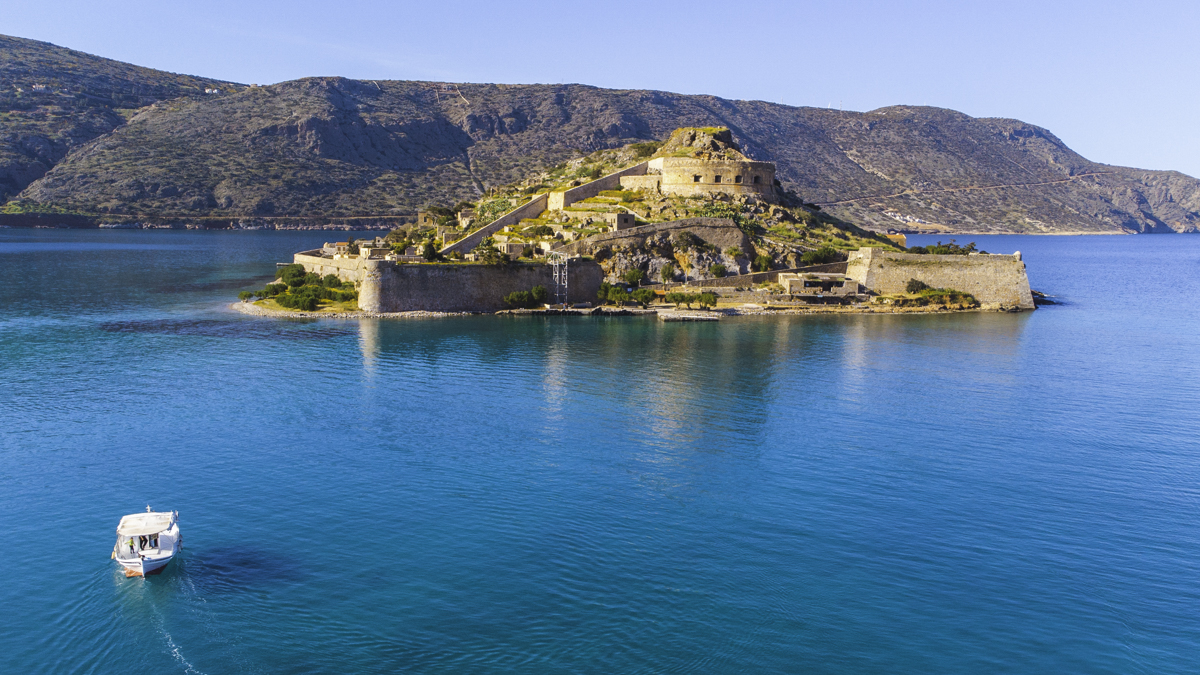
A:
{"x": 915, "y": 286}
{"x": 519, "y": 299}
{"x": 245, "y": 295}
{"x": 763, "y": 263}
{"x": 539, "y": 294}
{"x": 618, "y": 295}
{"x": 289, "y": 270}
{"x": 429, "y": 252}
{"x": 645, "y": 296}
{"x": 633, "y": 277}
{"x": 717, "y": 270}
{"x": 707, "y": 299}
{"x": 667, "y": 273}
{"x": 602, "y": 294}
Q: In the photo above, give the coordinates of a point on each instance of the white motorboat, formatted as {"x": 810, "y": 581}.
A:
{"x": 146, "y": 542}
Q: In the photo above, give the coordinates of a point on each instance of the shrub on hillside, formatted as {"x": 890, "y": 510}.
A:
{"x": 718, "y": 270}
{"x": 945, "y": 249}
{"x": 915, "y": 286}
{"x": 821, "y": 256}
{"x": 763, "y": 263}
{"x": 633, "y": 277}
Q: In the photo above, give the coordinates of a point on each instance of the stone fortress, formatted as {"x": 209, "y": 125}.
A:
{"x": 695, "y": 162}
{"x": 718, "y": 168}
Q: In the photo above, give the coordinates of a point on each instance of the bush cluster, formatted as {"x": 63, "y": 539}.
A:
{"x": 610, "y": 293}
{"x": 915, "y": 286}
{"x": 763, "y": 263}
{"x": 645, "y": 149}
{"x": 945, "y": 249}
{"x": 821, "y": 256}
{"x": 307, "y": 298}
{"x": 706, "y": 299}
{"x": 527, "y": 299}
{"x": 303, "y": 290}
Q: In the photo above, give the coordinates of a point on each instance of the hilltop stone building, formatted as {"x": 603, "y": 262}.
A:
{"x": 691, "y": 176}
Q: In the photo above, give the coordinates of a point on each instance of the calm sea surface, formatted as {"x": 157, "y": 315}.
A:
{"x": 976, "y": 493}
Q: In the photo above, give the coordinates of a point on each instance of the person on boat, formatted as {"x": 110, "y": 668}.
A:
{"x": 131, "y": 549}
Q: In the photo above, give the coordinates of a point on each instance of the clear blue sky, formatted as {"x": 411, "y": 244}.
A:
{"x": 1117, "y": 81}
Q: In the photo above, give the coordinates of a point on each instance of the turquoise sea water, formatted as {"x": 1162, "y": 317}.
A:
{"x": 978, "y": 493}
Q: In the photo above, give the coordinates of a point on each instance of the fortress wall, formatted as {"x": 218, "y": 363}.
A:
{"x": 999, "y": 279}
{"x": 388, "y": 287}
{"x": 346, "y": 269}
{"x": 678, "y": 176}
{"x": 561, "y": 200}
{"x": 744, "y": 280}
{"x": 720, "y": 232}
{"x": 530, "y": 209}
{"x": 648, "y": 182}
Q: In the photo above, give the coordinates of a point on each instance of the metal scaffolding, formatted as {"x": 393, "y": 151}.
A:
{"x": 560, "y": 263}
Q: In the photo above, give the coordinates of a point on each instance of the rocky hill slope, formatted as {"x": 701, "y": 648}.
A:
{"x": 53, "y": 100}
{"x": 339, "y": 147}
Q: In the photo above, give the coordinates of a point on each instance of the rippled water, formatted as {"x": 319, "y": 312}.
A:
{"x": 970, "y": 493}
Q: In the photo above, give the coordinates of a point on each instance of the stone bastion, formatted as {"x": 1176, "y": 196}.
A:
{"x": 996, "y": 280}
{"x": 385, "y": 286}
{"x": 690, "y": 176}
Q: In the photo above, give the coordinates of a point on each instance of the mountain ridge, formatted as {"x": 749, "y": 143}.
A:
{"x": 338, "y": 147}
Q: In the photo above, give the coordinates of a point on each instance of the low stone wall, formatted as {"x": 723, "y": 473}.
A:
{"x": 387, "y": 287}
{"x": 720, "y": 232}
{"x": 992, "y": 279}
{"x": 744, "y": 280}
{"x": 346, "y": 269}
{"x": 530, "y": 209}
{"x": 561, "y": 200}
{"x": 649, "y": 182}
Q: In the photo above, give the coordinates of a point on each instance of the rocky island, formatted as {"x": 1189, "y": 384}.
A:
{"x": 691, "y": 220}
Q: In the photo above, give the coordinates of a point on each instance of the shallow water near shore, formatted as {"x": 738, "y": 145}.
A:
{"x": 829, "y": 494}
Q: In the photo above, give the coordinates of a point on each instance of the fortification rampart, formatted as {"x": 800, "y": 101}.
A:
{"x": 387, "y": 287}
{"x": 346, "y": 269}
{"x": 561, "y": 200}
{"x": 992, "y": 279}
{"x": 688, "y": 176}
{"x": 720, "y": 232}
{"x": 530, "y": 209}
{"x": 746, "y": 280}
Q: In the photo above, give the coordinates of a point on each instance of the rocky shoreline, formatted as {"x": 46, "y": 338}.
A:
{"x": 256, "y": 310}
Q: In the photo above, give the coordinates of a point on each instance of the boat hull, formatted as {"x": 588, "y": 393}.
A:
{"x": 145, "y": 568}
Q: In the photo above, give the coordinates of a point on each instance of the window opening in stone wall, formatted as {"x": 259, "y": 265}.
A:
{"x": 737, "y": 179}
{"x": 716, "y": 179}
{"x": 695, "y": 179}
{"x": 756, "y": 180}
